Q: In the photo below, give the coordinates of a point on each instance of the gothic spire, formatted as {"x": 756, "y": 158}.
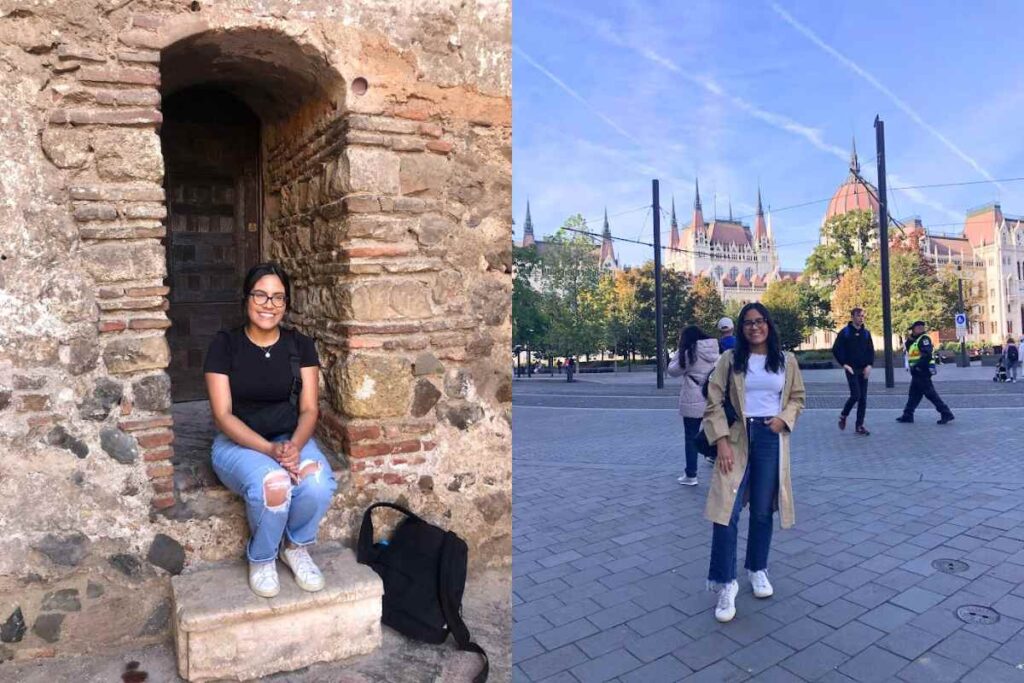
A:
{"x": 674, "y": 236}
{"x": 528, "y": 238}
{"x": 854, "y": 163}
{"x": 696, "y": 202}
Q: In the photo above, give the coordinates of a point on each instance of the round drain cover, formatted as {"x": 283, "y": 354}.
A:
{"x": 977, "y": 614}
{"x": 950, "y": 566}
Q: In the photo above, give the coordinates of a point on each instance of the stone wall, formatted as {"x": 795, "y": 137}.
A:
{"x": 391, "y": 207}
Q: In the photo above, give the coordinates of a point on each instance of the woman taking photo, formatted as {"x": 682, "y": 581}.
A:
{"x": 263, "y": 380}
{"x": 766, "y": 390}
{"x": 694, "y": 360}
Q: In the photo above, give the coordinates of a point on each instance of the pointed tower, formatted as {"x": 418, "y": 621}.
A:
{"x": 730, "y": 209}
{"x": 608, "y": 259}
{"x": 760, "y": 227}
{"x": 854, "y": 163}
{"x": 673, "y": 240}
{"x": 699, "y": 228}
{"x": 528, "y": 238}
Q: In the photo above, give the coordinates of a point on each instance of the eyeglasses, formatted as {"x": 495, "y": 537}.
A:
{"x": 756, "y": 322}
{"x": 261, "y": 299}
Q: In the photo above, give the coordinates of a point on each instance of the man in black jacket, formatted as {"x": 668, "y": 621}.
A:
{"x": 854, "y": 350}
{"x": 921, "y": 361}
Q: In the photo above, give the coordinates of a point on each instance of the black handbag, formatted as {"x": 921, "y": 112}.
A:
{"x": 423, "y": 568}
{"x": 283, "y": 417}
{"x": 700, "y": 441}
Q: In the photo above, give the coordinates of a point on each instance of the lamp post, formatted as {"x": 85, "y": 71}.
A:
{"x": 962, "y": 361}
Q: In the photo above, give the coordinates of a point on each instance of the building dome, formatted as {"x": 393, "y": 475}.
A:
{"x": 854, "y": 193}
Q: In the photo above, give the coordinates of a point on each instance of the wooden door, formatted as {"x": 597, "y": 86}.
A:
{"x": 211, "y": 154}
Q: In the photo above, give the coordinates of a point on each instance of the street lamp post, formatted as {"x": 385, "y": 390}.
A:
{"x": 960, "y": 306}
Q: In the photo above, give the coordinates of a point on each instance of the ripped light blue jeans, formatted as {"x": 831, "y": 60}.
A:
{"x": 246, "y": 471}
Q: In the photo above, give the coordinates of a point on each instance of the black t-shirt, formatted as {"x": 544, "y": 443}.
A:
{"x": 257, "y": 381}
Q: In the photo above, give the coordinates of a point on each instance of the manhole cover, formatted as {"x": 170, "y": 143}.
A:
{"x": 976, "y": 614}
{"x": 950, "y": 566}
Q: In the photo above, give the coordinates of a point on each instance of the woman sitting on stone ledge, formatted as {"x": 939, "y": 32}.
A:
{"x": 266, "y": 416}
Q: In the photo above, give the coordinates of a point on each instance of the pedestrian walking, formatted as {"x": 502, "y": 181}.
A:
{"x": 921, "y": 361}
{"x": 1011, "y": 358}
{"x": 766, "y": 389}
{"x": 726, "y": 338}
{"x": 855, "y": 352}
{"x": 570, "y": 368}
{"x": 694, "y": 359}
{"x": 559, "y": 366}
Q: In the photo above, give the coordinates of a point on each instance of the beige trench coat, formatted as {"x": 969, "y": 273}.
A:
{"x": 722, "y": 494}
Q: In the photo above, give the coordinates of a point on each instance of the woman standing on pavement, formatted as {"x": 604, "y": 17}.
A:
{"x": 766, "y": 389}
{"x": 694, "y": 360}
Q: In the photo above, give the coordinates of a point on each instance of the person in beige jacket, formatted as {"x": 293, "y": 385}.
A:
{"x": 693, "y": 360}
{"x": 767, "y": 391}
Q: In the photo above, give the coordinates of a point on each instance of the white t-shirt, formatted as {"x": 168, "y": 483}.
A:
{"x": 763, "y": 388}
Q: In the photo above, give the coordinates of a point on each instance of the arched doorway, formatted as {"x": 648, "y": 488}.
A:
{"x": 210, "y": 142}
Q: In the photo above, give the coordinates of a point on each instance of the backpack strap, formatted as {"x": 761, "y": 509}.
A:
{"x": 456, "y": 626}
{"x": 293, "y": 360}
{"x": 365, "y": 552}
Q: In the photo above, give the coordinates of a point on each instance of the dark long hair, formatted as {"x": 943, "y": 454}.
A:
{"x": 775, "y": 361}
{"x": 262, "y": 270}
{"x": 688, "y": 338}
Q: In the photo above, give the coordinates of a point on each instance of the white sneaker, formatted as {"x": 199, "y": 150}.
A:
{"x": 263, "y": 579}
{"x": 307, "y": 574}
{"x": 759, "y": 582}
{"x": 725, "y": 610}
{"x": 688, "y": 481}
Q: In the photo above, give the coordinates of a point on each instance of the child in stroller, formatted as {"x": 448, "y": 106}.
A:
{"x": 1000, "y": 375}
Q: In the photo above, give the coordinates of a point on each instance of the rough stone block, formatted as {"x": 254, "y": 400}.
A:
{"x": 423, "y": 173}
{"x": 223, "y": 630}
{"x": 134, "y": 355}
{"x": 66, "y": 148}
{"x": 371, "y": 386}
{"x": 112, "y": 262}
{"x": 373, "y": 170}
{"x": 125, "y": 155}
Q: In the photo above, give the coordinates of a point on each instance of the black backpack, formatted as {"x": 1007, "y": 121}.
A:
{"x": 424, "y": 572}
{"x": 1011, "y": 353}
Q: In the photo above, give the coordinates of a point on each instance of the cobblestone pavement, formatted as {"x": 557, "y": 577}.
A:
{"x": 610, "y": 553}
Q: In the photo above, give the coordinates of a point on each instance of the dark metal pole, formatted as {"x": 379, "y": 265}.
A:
{"x": 883, "y": 229}
{"x": 960, "y": 309}
{"x": 658, "y": 333}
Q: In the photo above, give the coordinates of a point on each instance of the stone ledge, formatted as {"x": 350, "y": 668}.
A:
{"x": 223, "y": 630}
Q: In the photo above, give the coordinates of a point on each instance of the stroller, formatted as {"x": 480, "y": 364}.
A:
{"x": 1001, "y": 375}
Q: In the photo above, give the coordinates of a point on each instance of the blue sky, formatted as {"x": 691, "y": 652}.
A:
{"x": 608, "y": 95}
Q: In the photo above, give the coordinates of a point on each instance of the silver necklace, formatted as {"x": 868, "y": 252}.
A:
{"x": 264, "y": 349}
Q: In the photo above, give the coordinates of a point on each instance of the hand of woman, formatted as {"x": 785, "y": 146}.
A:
{"x": 725, "y": 455}
{"x": 287, "y": 455}
{"x": 776, "y": 425}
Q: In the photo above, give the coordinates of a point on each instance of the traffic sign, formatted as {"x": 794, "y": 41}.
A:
{"x": 961, "y": 325}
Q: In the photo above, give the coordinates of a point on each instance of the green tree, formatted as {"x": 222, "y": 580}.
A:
{"x": 529, "y": 315}
{"x": 676, "y": 306}
{"x": 708, "y": 308}
{"x": 570, "y": 276}
{"x": 618, "y": 293}
{"x": 783, "y": 301}
{"x": 847, "y": 242}
{"x": 918, "y": 291}
{"x": 851, "y": 292}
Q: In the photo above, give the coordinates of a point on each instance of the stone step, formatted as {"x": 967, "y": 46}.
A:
{"x": 222, "y": 630}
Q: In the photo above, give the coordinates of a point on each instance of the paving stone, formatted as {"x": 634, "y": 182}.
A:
{"x": 720, "y": 672}
{"x": 776, "y": 674}
{"x": 655, "y": 621}
{"x": 606, "y": 667}
{"x": 933, "y": 668}
{"x": 563, "y": 635}
{"x": 760, "y": 655}
{"x": 667, "y": 669}
{"x": 967, "y": 648}
{"x": 656, "y": 645}
{"x": 802, "y": 633}
{"x": 608, "y": 640}
{"x": 917, "y": 599}
{"x": 1001, "y": 631}
{"x": 525, "y": 649}
{"x": 909, "y": 641}
{"x": 838, "y": 612}
{"x": 613, "y": 616}
{"x": 992, "y": 671}
{"x": 550, "y": 663}
{"x": 852, "y": 638}
{"x": 887, "y": 617}
{"x": 870, "y": 595}
{"x": 706, "y": 651}
{"x": 873, "y": 665}
{"x": 814, "y": 661}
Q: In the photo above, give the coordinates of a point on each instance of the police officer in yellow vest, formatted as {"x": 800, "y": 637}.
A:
{"x": 921, "y": 360}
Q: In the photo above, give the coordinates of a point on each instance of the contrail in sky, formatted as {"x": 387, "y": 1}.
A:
{"x": 904, "y": 107}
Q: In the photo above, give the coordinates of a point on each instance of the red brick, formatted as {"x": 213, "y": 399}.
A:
{"x": 149, "y": 323}
{"x": 158, "y": 455}
{"x": 160, "y": 470}
{"x": 441, "y": 146}
{"x": 164, "y": 485}
{"x": 126, "y": 407}
{"x": 113, "y": 117}
{"x": 368, "y": 450}
{"x": 414, "y": 111}
{"x": 398, "y": 461}
{"x": 164, "y": 437}
{"x": 150, "y": 232}
{"x": 148, "y": 21}
{"x": 393, "y": 478}
{"x": 360, "y": 433}
{"x": 110, "y": 293}
{"x": 163, "y": 501}
{"x": 432, "y": 129}
{"x": 112, "y": 325}
{"x": 375, "y": 251}
{"x": 363, "y": 343}
{"x": 380, "y": 328}
{"x": 410, "y": 446}
{"x": 148, "y": 291}
{"x": 357, "y": 466}
{"x": 40, "y": 421}
{"x": 147, "y": 423}
{"x": 107, "y": 74}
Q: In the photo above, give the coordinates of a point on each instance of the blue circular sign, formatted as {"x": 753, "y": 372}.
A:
{"x": 961, "y": 319}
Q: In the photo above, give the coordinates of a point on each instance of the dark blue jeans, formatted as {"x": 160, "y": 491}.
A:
{"x": 762, "y": 478}
{"x": 691, "y": 425}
